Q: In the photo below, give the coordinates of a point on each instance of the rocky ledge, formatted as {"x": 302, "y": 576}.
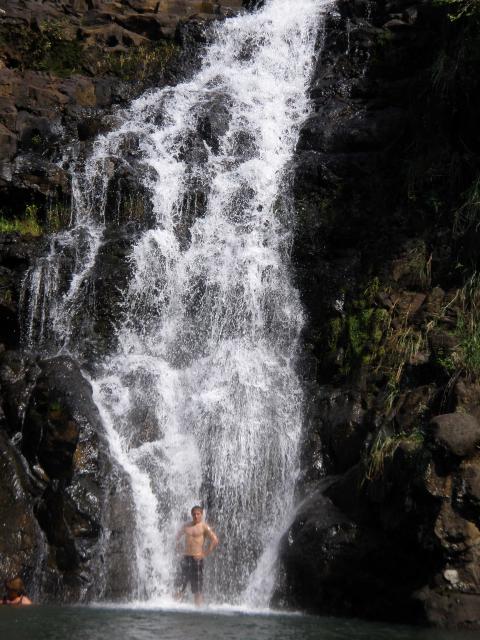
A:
{"x": 64, "y": 65}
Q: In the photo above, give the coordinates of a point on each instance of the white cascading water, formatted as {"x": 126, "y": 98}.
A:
{"x": 201, "y": 401}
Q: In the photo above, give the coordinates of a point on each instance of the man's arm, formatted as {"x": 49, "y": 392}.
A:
{"x": 212, "y": 541}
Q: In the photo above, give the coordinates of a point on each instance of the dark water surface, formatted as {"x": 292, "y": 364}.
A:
{"x": 88, "y": 623}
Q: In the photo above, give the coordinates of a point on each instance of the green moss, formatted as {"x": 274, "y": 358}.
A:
{"x": 48, "y": 48}
{"x": 63, "y": 59}
{"x": 36, "y": 140}
{"x": 364, "y": 332}
{"x": 55, "y": 406}
{"x": 28, "y": 225}
{"x": 138, "y": 63}
{"x": 355, "y": 339}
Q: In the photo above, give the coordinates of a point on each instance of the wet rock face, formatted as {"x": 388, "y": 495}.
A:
{"x": 63, "y": 64}
{"x": 60, "y": 407}
{"x": 93, "y": 325}
{"x": 18, "y": 373}
{"x": 68, "y": 489}
{"x": 391, "y": 452}
{"x": 21, "y": 539}
{"x": 17, "y": 254}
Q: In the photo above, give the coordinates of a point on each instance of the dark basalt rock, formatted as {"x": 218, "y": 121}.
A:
{"x": 214, "y": 120}
{"x": 340, "y": 427}
{"x": 455, "y": 434}
{"x": 58, "y": 408}
{"x": 95, "y": 330}
{"x": 22, "y": 543}
{"x": 76, "y": 489}
{"x": 451, "y": 608}
{"x": 17, "y": 254}
{"x": 335, "y": 564}
{"x": 466, "y": 490}
{"x": 18, "y": 373}
{"x": 374, "y": 262}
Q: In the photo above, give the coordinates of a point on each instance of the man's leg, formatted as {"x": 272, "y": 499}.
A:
{"x": 197, "y": 582}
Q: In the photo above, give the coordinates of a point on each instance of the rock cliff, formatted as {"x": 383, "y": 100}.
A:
{"x": 385, "y": 180}
{"x": 386, "y": 196}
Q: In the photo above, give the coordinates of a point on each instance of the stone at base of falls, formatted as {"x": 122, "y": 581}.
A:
{"x": 399, "y": 544}
{"x": 451, "y": 609}
{"x": 337, "y": 564}
{"x": 73, "y": 490}
{"x": 21, "y": 539}
{"x": 455, "y": 434}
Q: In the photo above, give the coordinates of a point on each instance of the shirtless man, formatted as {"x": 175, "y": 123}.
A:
{"x": 15, "y": 593}
{"x": 191, "y": 566}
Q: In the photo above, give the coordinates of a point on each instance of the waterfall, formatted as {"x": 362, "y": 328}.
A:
{"x": 201, "y": 399}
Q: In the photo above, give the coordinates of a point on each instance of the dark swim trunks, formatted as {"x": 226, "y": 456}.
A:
{"x": 190, "y": 571}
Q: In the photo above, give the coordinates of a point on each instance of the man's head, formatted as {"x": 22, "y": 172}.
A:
{"x": 15, "y": 587}
{"x": 197, "y": 514}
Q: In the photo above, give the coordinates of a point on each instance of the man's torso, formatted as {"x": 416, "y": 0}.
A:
{"x": 194, "y": 539}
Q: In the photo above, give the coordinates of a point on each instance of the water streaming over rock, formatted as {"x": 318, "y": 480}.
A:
{"x": 201, "y": 399}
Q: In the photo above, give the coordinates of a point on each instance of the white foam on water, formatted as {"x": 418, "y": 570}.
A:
{"x": 164, "y": 606}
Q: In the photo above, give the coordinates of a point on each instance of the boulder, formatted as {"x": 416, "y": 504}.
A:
{"x": 339, "y": 424}
{"x": 454, "y": 434}
{"x": 336, "y": 566}
{"x": 467, "y": 396}
{"x": 466, "y": 489}
{"x": 64, "y": 443}
{"x": 451, "y": 609}
{"x": 59, "y": 406}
